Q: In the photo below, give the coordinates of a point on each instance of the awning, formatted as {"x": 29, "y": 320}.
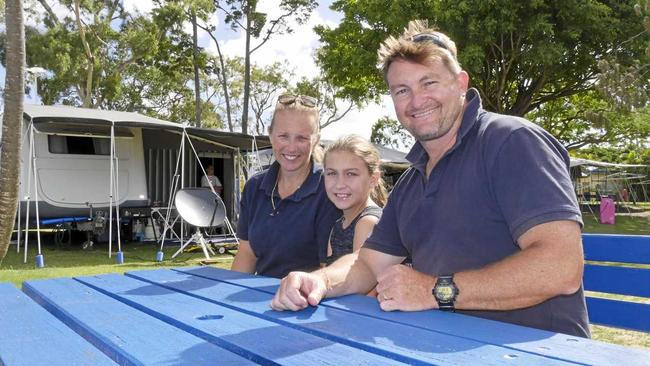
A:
{"x": 75, "y": 121}
{"x": 579, "y": 161}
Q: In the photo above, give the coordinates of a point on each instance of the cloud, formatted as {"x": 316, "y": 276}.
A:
{"x": 360, "y": 122}
{"x": 297, "y": 47}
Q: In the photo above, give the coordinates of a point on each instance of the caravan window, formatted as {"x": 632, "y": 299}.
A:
{"x": 78, "y": 145}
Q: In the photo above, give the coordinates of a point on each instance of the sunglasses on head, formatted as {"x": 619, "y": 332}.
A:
{"x": 429, "y": 37}
{"x": 305, "y": 100}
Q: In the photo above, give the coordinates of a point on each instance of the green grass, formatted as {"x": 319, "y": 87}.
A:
{"x": 74, "y": 261}
{"x": 625, "y": 225}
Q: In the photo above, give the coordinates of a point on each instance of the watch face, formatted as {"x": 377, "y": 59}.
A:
{"x": 444, "y": 293}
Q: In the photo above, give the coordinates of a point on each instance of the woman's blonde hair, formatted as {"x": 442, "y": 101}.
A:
{"x": 421, "y": 44}
{"x": 362, "y": 148}
{"x": 296, "y": 103}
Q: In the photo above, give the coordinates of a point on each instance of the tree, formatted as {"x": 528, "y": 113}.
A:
{"x": 389, "y": 132}
{"x": 265, "y": 84}
{"x": 12, "y": 118}
{"x": 242, "y": 14}
{"x": 194, "y": 11}
{"x": 589, "y": 119}
{"x": 142, "y": 63}
{"x": 329, "y": 100}
{"x": 519, "y": 55}
{"x": 628, "y": 86}
{"x": 89, "y": 53}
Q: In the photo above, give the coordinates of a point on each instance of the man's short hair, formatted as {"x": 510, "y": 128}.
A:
{"x": 419, "y": 44}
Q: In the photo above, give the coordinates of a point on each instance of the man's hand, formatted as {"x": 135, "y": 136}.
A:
{"x": 402, "y": 288}
{"x": 299, "y": 290}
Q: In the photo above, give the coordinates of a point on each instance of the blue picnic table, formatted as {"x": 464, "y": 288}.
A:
{"x": 205, "y": 315}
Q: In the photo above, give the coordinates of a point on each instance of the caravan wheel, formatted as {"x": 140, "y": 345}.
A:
{"x": 221, "y": 250}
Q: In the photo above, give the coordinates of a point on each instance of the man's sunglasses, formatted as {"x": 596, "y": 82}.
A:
{"x": 429, "y": 37}
{"x": 305, "y": 100}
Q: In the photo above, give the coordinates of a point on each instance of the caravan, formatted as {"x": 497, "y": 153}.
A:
{"x": 79, "y": 163}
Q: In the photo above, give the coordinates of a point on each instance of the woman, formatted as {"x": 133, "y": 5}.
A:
{"x": 285, "y": 215}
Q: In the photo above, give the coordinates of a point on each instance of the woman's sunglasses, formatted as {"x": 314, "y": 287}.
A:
{"x": 304, "y": 100}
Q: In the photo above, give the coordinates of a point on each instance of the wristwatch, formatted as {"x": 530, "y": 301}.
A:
{"x": 445, "y": 292}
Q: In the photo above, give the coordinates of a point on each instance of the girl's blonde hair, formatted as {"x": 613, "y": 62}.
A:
{"x": 362, "y": 148}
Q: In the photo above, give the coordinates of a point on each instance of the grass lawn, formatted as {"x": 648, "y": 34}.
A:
{"x": 140, "y": 256}
{"x": 626, "y": 225}
{"x": 74, "y": 261}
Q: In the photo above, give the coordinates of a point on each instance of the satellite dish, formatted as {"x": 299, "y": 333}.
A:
{"x": 200, "y": 207}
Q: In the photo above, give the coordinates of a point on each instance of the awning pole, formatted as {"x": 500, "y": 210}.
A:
{"x": 29, "y": 186}
{"x": 116, "y": 185}
{"x": 110, "y": 200}
{"x": 39, "y": 256}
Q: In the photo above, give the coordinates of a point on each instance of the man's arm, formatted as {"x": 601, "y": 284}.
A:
{"x": 353, "y": 273}
{"x": 549, "y": 264}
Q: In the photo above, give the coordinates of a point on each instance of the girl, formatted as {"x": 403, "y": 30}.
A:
{"x": 353, "y": 183}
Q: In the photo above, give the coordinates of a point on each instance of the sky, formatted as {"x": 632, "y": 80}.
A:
{"x": 303, "y": 43}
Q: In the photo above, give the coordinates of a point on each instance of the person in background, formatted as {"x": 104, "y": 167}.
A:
{"x": 486, "y": 211}
{"x": 354, "y": 184}
{"x": 285, "y": 216}
{"x": 211, "y": 179}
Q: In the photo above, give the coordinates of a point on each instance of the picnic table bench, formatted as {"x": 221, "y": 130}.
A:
{"x": 619, "y": 265}
{"x": 205, "y": 315}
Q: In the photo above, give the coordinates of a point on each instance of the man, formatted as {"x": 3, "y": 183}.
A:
{"x": 487, "y": 210}
{"x": 210, "y": 179}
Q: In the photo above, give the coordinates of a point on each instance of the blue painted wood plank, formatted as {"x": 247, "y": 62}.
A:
{"x": 127, "y": 335}
{"x": 617, "y": 280}
{"x": 617, "y": 248}
{"x": 620, "y": 314}
{"x": 258, "y": 338}
{"x": 520, "y": 338}
{"x": 29, "y": 335}
{"x": 403, "y": 342}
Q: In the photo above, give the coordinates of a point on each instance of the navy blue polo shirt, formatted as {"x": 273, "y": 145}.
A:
{"x": 294, "y": 235}
{"x": 503, "y": 176}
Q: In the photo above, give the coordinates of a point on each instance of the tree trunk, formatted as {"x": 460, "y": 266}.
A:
{"x": 224, "y": 84}
{"x": 247, "y": 71}
{"x": 87, "y": 92}
{"x": 12, "y": 121}
{"x": 197, "y": 80}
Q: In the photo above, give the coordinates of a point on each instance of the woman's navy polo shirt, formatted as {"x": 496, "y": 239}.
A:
{"x": 503, "y": 176}
{"x": 294, "y": 235}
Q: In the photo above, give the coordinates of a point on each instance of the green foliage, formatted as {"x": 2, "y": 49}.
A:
{"x": 265, "y": 85}
{"x": 519, "y": 54}
{"x": 630, "y": 154}
{"x": 389, "y": 132}
{"x": 588, "y": 119}
{"x": 140, "y": 63}
{"x": 627, "y": 83}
